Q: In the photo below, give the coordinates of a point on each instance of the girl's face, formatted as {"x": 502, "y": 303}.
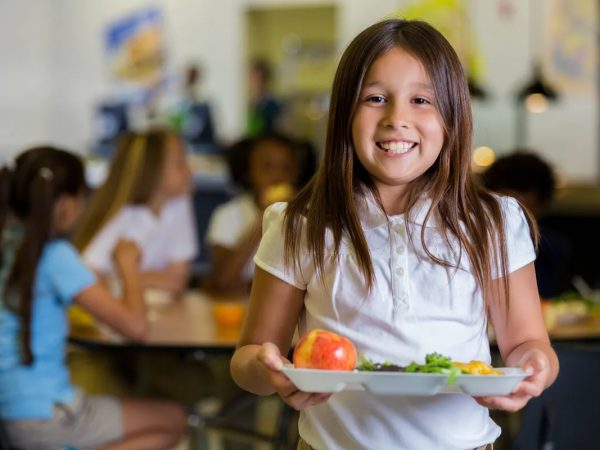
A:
{"x": 67, "y": 211}
{"x": 397, "y": 131}
{"x": 272, "y": 163}
{"x": 176, "y": 175}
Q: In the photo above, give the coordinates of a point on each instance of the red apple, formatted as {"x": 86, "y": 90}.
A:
{"x": 322, "y": 349}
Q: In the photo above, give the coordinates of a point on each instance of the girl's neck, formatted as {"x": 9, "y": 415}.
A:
{"x": 156, "y": 203}
{"x": 394, "y": 199}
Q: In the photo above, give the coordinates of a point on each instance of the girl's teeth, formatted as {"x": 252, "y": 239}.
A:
{"x": 396, "y": 147}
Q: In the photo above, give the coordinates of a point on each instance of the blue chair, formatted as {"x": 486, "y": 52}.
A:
{"x": 565, "y": 416}
{"x": 206, "y": 200}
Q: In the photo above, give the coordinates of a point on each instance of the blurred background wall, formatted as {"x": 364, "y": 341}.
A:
{"x": 53, "y": 66}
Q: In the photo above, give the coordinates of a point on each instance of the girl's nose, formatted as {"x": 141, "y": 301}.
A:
{"x": 397, "y": 116}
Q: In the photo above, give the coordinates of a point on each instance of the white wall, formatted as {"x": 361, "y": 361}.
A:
{"x": 25, "y": 69}
{"x": 52, "y": 70}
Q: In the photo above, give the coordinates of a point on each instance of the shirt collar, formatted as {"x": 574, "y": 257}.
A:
{"x": 372, "y": 216}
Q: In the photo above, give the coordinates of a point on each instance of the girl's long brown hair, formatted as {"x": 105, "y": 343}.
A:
{"x": 132, "y": 177}
{"x": 328, "y": 201}
{"x": 28, "y": 193}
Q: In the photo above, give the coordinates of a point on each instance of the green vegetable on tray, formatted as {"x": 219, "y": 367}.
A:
{"x": 436, "y": 363}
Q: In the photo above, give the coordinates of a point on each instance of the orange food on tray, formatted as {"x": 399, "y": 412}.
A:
{"x": 477, "y": 368}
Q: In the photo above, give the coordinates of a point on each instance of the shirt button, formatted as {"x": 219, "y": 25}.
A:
{"x": 400, "y": 249}
{"x": 399, "y": 271}
{"x": 403, "y": 297}
{"x": 399, "y": 228}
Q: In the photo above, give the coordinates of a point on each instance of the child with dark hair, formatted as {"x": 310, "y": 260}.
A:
{"x": 267, "y": 169}
{"x": 531, "y": 180}
{"x": 525, "y": 176}
{"x": 41, "y": 275}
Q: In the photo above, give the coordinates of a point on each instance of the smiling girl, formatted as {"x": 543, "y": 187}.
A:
{"x": 394, "y": 246}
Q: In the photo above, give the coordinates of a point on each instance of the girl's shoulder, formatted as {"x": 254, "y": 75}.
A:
{"x": 60, "y": 248}
{"x": 240, "y": 207}
{"x": 508, "y": 206}
{"x": 274, "y": 215}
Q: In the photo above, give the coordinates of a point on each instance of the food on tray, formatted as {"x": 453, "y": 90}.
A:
{"x": 436, "y": 363}
{"x": 477, "y": 368}
{"x": 367, "y": 365}
{"x": 322, "y": 349}
{"x": 278, "y": 193}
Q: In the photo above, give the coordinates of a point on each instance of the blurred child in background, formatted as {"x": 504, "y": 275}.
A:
{"x": 41, "y": 274}
{"x": 147, "y": 198}
{"x": 264, "y": 110}
{"x": 269, "y": 169}
{"x": 527, "y": 177}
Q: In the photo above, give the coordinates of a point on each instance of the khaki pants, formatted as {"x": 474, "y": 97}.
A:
{"x": 302, "y": 445}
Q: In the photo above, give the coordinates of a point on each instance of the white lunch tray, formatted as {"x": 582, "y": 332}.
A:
{"x": 402, "y": 383}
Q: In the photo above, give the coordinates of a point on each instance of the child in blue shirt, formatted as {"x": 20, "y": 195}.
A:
{"x": 41, "y": 275}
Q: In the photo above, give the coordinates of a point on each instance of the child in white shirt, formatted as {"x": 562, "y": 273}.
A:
{"x": 394, "y": 246}
{"x": 234, "y": 229}
{"x": 145, "y": 198}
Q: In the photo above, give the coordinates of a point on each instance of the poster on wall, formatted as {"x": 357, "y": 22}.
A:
{"x": 136, "y": 54}
{"x": 572, "y": 52}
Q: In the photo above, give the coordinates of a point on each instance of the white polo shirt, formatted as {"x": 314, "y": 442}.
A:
{"x": 230, "y": 222}
{"x": 163, "y": 239}
{"x": 415, "y": 307}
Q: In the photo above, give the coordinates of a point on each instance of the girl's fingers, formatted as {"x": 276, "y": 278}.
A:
{"x": 271, "y": 363}
{"x": 510, "y": 404}
{"x": 300, "y": 400}
{"x": 270, "y": 356}
{"x": 515, "y": 401}
{"x": 531, "y": 388}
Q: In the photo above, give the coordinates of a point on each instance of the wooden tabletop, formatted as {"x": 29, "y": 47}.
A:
{"x": 188, "y": 324}
{"x": 185, "y": 323}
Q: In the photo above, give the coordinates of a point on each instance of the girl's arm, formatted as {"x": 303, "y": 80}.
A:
{"x": 173, "y": 278}
{"x": 275, "y": 307}
{"x": 228, "y": 263}
{"x": 127, "y": 317}
{"x": 522, "y": 338}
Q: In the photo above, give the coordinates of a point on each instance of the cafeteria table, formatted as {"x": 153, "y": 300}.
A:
{"x": 186, "y": 325}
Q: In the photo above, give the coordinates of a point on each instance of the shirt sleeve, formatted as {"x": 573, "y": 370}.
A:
{"x": 183, "y": 240}
{"x": 98, "y": 253}
{"x": 221, "y": 228}
{"x": 271, "y": 252}
{"x": 228, "y": 223}
{"x": 67, "y": 273}
{"x": 519, "y": 245}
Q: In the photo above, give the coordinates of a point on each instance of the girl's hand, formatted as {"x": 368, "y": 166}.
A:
{"x": 270, "y": 363}
{"x": 127, "y": 256}
{"x": 537, "y": 363}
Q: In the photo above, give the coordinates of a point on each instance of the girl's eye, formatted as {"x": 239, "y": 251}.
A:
{"x": 376, "y": 99}
{"x": 421, "y": 101}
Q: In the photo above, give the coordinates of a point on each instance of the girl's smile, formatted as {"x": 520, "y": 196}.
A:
{"x": 396, "y": 148}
